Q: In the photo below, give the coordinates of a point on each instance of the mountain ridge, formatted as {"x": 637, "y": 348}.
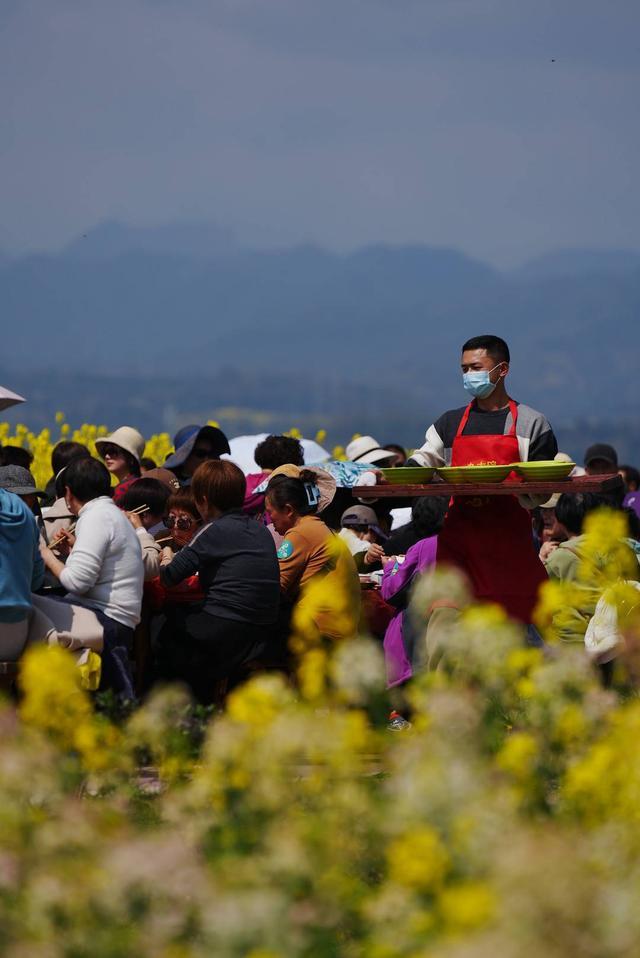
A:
{"x": 391, "y": 318}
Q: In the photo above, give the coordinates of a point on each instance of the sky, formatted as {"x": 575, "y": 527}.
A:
{"x": 503, "y": 128}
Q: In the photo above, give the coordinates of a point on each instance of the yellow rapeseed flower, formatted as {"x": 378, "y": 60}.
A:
{"x": 258, "y": 701}
{"x": 53, "y": 700}
{"x": 466, "y": 906}
{"x": 418, "y": 860}
{"x": 518, "y": 755}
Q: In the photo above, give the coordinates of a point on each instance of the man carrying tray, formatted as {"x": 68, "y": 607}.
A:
{"x": 488, "y": 538}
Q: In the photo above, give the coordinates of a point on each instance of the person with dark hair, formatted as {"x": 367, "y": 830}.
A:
{"x": 63, "y": 453}
{"x": 403, "y": 645}
{"x": 15, "y": 456}
{"x": 57, "y": 517}
{"x": 145, "y": 503}
{"x": 488, "y": 539}
{"x": 275, "y": 451}
{"x": 272, "y": 452}
{"x": 194, "y": 445}
{"x": 149, "y": 493}
{"x": 147, "y": 463}
{"x": 294, "y": 497}
{"x": 600, "y": 459}
{"x": 122, "y": 452}
{"x": 631, "y": 479}
{"x": 182, "y": 521}
{"x": 426, "y": 511}
{"x": 399, "y": 454}
{"x": 360, "y": 527}
{"x": 103, "y": 571}
{"x": 566, "y": 561}
{"x": 182, "y": 518}
{"x": 235, "y": 559}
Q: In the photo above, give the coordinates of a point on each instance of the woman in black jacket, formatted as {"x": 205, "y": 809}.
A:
{"x": 235, "y": 559}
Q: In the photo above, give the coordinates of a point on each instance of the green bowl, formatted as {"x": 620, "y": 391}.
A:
{"x": 462, "y": 474}
{"x": 544, "y": 470}
{"x": 408, "y": 475}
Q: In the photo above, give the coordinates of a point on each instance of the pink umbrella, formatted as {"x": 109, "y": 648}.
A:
{"x": 7, "y": 398}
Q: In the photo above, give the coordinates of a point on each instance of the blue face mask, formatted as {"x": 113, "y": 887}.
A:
{"x": 478, "y": 382}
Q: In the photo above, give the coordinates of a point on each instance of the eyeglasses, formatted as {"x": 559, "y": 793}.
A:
{"x": 180, "y": 522}
{"x": 114, "y": 452}
{"x": 202, "y": 453}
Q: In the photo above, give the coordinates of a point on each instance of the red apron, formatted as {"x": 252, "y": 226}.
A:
{"x": 490, "y": 538}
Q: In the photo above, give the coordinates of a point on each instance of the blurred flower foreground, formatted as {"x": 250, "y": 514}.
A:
{"x": 504, "y": 822}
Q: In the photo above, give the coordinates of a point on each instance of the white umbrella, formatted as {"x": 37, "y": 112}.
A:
{"x": 7, "y": 398}
{"x": 243, "y": 448}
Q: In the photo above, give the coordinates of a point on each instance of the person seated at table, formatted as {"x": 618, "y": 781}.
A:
{"x": 310, "y": 549}
{"x": 57, "y": 516}
{"x": 399, "y": 454}
{"x": 236, "y": 561}
{"x": 404, "y": 639}
{"x": 15, "y": 456}
{"x": 145, "y": 504}
{"x": 21, "y": 573}
{"x": 272, "y": 452}
{"x": 601, "y": 459}
{"x": 103, "y": 572}
{"x": 62, "y": 454}
{"x": 194, "y": 445}
{"x": 18, "y": 480}
{"x": 180, "y": 524}
{"x": 121, "y": 452}
{"x": 182, "y": 518}
{"x": 367, "y": 450}
{"x": 631, "y": 479}
{"x": 419, "y": 525}
{"x": 564, "y": 562}
{"x": 361, "y": 529}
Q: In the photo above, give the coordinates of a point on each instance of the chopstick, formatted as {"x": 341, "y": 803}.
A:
{"x": 139, "y": 510}
{"x": 61, "y": 535}
{"x": 164, "y": 539}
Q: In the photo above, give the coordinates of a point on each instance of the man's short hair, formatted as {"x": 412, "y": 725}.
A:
{"x": 494, "y": 345}
{"x": 87, "y": 479}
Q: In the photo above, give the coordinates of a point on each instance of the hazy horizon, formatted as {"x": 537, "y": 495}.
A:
{"x": 75, "y": 238}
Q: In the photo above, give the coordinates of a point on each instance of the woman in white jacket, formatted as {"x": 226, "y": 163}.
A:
{"x": 103, "y": 572}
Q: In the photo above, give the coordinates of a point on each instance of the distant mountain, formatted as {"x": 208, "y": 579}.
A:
{"x": 112, "y": 239}
{"x": 581, "y": 262}
{"x": 369, "y": 336}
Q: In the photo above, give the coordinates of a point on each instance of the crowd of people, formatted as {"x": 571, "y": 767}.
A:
{"x": 191, "y": 570}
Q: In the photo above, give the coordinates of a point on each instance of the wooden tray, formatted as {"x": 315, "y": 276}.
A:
{"x": 435, "y": 488}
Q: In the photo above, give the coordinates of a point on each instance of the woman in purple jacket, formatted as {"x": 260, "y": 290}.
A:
{"x": 403, "y": 639}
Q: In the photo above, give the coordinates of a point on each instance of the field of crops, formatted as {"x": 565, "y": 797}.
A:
{"x": 41, "y": 444}
{"x": 296, "y": 825}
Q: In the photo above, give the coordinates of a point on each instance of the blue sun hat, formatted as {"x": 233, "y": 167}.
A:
{"x": 185, "y": 439}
